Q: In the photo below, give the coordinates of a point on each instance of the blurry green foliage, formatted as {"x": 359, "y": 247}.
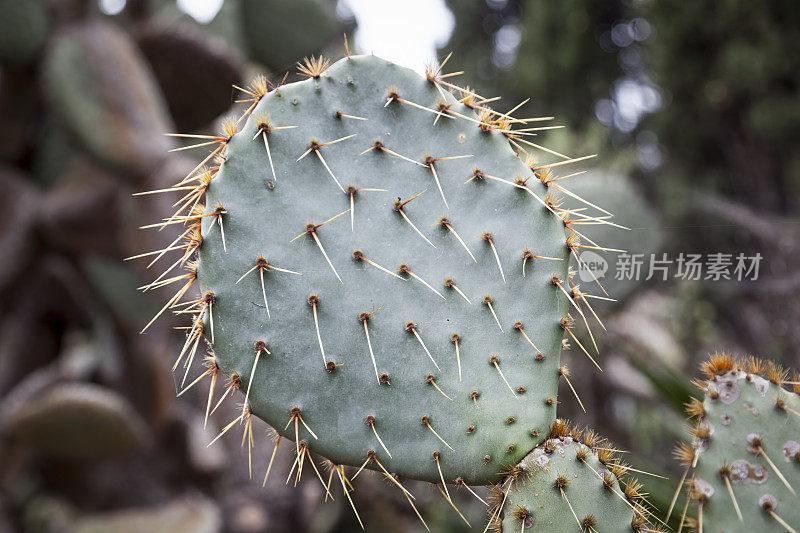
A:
{"x": 731, "y": 73}
{"x": 558, "y": 61}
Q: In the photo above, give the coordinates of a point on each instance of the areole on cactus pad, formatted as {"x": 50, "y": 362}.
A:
{"x": 383, "y": 272}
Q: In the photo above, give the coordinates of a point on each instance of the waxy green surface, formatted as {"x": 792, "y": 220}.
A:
{"x": 264, "y": 214}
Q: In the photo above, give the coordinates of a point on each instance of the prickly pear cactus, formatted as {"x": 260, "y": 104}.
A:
{"x": 383, "y": 272}
{"x": 746, "y": 448}
{"x": 573, "y": 477}
{"x": 394, "y": 330}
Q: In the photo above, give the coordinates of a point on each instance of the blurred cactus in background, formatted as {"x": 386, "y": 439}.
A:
{"x": 84, "y": 101}
{"x": 550, "y": 51}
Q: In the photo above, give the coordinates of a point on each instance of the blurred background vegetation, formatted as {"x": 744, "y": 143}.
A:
{"x": 693, "y": 107}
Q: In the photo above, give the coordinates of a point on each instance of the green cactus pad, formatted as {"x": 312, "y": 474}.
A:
{"x": 182, "y": 56}
{"x": 103, "y": 90}
{"x": 262, "y": 216}
{"x": 185, "y": 515}
{"x": 78, "y": 421}
{"x": 571, "y": 482}
{"x": 278, "y": 32}
{"x": 746, "y": 420}
{"x": 427, "y": 323}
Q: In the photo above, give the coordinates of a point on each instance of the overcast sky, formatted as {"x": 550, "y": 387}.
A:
{"x": 406, "y": 32}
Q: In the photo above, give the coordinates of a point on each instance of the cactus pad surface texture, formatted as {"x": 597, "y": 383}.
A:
{"x": 262, "y": 221}
{"x": 747, "y": 443}
{"x": 382, "y": 271}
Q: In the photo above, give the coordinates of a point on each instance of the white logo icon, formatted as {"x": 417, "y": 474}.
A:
{"x": 592, "y": 263}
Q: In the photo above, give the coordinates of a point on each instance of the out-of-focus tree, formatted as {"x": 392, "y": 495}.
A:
{"x": 561, "y": 53}
{"x": 730, "y": 72}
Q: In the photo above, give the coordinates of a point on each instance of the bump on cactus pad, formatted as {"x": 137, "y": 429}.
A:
{"x": 382, "y": 272}
{"x": 746, "y": 446}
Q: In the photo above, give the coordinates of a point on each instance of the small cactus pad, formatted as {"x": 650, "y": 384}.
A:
{"x": 78, "y": 421}
{"x": 747, "y": 448}
{"x": 182, "y": 55}
{"x": 361, "y": 255}
{"x": 571, "y": 482}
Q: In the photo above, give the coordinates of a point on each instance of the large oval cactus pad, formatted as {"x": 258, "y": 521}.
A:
{"x": 382, "y": 274}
